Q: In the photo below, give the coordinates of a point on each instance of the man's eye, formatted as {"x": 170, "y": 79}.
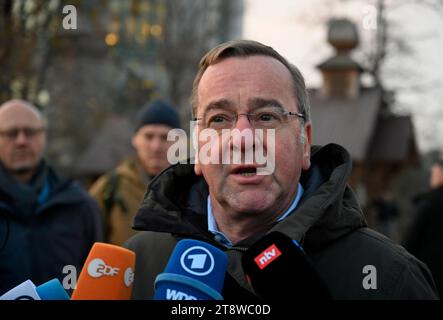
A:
{"x": 267, "y": 117}
{"x": 219, "y": 119}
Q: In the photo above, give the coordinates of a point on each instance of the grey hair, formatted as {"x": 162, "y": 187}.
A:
{"x": 247, "y": 48}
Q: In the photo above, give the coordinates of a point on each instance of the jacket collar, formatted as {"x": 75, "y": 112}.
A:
{"x": 175, "y": 202}
{"x": 22, "y": 200}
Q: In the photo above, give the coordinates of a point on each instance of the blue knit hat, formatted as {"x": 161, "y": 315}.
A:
{"x": 158, "y": 112}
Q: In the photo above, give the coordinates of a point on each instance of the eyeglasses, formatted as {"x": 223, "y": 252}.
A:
{"x": 262, "y": 119}
{"x": 13, "y": 133}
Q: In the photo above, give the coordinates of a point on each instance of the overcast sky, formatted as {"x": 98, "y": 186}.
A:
{"x": 295, "y": 28}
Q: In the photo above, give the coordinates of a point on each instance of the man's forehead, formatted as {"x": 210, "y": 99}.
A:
{"x": 154, "y": 129}
{"x": 255, "y": 64}
{"x": 255, "y": 78}
{"x": 16, "y": 113}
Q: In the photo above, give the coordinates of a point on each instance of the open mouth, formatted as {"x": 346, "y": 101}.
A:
{"x": 245, "y": 171}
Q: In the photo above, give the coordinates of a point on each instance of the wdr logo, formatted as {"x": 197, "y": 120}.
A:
{"x": 172, "y": 294}
{"x": 197, "y": 260}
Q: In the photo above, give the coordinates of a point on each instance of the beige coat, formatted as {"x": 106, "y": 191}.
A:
{"x": 125, "y": 186}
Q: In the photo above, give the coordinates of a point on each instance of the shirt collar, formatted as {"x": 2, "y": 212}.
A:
{"x": 223, "y": 239}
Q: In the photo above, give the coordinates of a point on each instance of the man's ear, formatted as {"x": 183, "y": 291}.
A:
{"x": 307, "y": 147}
{"x": 197, "y": 169}
{"x": 134, "y": 141}
{"x": 197, "y": 166}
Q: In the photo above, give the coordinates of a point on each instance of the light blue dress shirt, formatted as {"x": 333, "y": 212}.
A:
{"x": 223, "y": 239}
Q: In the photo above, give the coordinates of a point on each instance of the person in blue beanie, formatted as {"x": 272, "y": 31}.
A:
{"x": 120, "y": 191}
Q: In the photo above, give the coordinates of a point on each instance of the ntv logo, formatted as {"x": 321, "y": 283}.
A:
{"x": 267, "y": 256}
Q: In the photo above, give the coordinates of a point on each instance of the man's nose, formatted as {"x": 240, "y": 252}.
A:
{"x": 21, "y": 137}
{"x": 242, "y": 135}
{"x": 243, "y": 122}
{"x": 157, "y": 144}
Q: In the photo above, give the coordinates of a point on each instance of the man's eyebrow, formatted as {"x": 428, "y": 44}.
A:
{"x": 258, "y": 103}
{"x": 217, "y": 105}
{"x": 253, "y": 104}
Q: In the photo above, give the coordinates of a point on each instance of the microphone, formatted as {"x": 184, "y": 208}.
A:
{"x": 107, "y": 274}
{"x": 277, "y": 267}
{"x": 52, "y": 290}
{"x": 24, "y": 291}
{"x": 195, "y": 271}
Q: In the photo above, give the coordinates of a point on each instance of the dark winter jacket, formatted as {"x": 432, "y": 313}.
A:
{"x": 44, "y": 226}
{"x": 328, "y": 223}
{"x": 425, "y": 236}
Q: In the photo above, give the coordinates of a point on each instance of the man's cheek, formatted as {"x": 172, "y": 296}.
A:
{"x": 285, "y": 157}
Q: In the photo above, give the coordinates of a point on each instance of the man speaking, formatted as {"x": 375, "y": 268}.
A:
{"x": 245, "y": 86}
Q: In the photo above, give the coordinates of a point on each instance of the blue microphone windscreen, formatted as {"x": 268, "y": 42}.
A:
{"x": 52, "y": 290}
{"x": 199, "y": 260}
{"x": 196, "y": 270}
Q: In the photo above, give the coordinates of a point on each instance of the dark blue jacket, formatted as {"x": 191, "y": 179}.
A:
{"x": 44, "y": 229}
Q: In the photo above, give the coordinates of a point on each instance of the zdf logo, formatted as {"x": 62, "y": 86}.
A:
{"x": 197, "y": 260}
{"x": 98, "y": 268}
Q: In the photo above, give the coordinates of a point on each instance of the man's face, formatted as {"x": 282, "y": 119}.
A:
{"x": 151, "y": 145}
{"x": 22, "y": 138}
{"x": 241, "y": 85}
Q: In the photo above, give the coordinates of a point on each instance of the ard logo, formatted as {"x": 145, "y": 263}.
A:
{"x": 197, "y": 261}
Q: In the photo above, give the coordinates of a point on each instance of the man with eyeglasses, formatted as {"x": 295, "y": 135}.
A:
{"x": 250, "y": 98}
{"x": 46, "y": 222}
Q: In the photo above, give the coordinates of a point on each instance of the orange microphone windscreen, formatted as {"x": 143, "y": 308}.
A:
{"x": 107, "y": 274}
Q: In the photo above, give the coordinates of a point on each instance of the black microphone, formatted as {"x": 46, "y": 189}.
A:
{"x": 278, "y": 268}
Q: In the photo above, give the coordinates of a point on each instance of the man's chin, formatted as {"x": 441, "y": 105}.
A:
{"x": 22, "y": 169}
{"x": 252, "y": 202}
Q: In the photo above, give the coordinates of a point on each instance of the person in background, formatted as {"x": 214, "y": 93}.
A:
{"x": 424, "y": 239}
{"x": 46, "y": 222}
{"x": 120, "y": 192}
{"x": 387, "y": 213}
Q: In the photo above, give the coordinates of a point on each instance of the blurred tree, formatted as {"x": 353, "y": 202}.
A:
{"x": 387, "y": 42}
{"x": 122, "y": 54}
{"x": 26, "y": 29}
{"x": 383, "y": 41}
{"x": 192, "y": 28}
